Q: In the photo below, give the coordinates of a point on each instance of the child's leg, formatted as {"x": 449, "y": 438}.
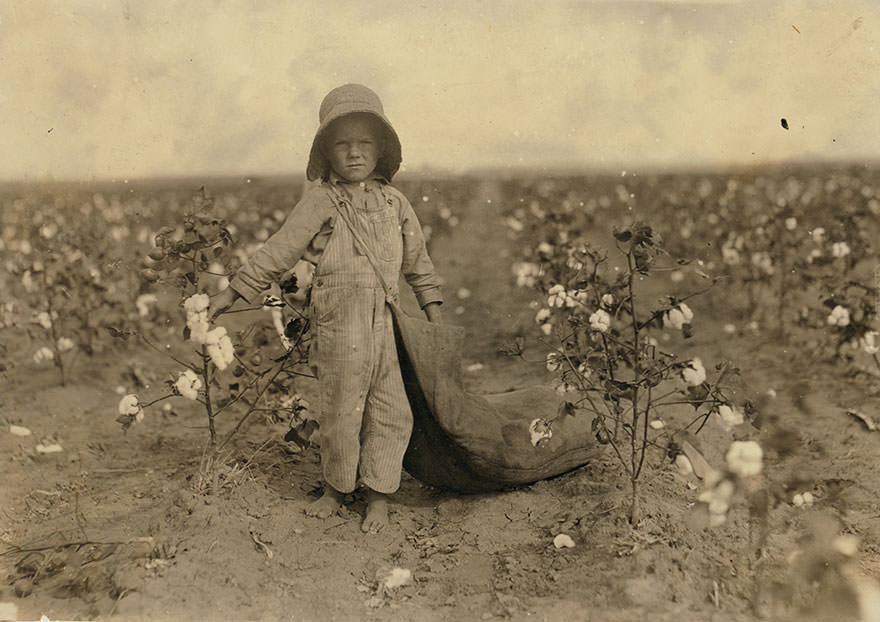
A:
{"x": 327, "y": 505}
{"x": 386, "y": 427}
{"x": 340, "y": 356}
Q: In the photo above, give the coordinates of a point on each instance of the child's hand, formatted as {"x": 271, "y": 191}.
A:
{"x": 433, "y": 313}
{"x": 222, "y": 301}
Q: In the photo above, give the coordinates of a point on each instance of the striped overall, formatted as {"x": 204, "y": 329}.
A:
{"x": 365, "y": 415}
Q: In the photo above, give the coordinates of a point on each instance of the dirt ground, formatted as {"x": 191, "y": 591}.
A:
{"x": 113, "y": 527}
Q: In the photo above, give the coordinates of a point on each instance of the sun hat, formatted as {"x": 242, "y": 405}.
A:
{"x": 344, "y": 100}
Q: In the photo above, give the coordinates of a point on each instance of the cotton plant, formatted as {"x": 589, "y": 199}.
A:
{"x": 841, "y": 321}
{"x": 848, "y": 322}
{"x": 55, "y": 285}
{"x": 229, "y": 370}
{"x": 772, "y": 246}
{"x": 606, "y": 359}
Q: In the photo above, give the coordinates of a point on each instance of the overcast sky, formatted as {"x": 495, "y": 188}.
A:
{"x": 114, "y": 89}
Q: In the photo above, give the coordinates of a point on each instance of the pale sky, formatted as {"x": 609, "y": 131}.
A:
{"x": 114, "y": 89}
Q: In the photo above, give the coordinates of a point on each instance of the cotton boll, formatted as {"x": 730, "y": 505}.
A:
{"x": 188, "y": 384}
{"x": 846, "y": 544}
{"x": 730, "y": 416}
{"x": 839, "y": 316}
{"x": 398, "y": 577}
{"x": 840, "y": 249}
{"x": 539, "y": 432}
{"x": 870, "y": 342}
{"x": 600, "y": 321}
{"x": 143, "y": 303}
{"x": 43, "y": 319}
{"x": 553, "y": 361}
{"x": 220, "y": 348}
{"x": 43, "y": 354}
{"x": 129, "y": 406}
{"x": 197, "y": 303}
{"x": 744, "y": 458}
{"x": 678, "y": 316}
{"x": 65, "y": 344}
{"x": 684, "y": 465}
{"x": 694, "y": 373}
{"x": 563, "y": 541}
{"x": 556, "y": 296}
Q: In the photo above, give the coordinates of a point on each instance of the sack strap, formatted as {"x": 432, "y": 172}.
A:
{"x": 390, "y": 297}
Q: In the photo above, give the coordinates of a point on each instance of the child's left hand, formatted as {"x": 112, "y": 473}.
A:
{"x": 433, "y": 313}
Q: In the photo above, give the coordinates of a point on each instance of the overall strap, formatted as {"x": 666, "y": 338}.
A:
{"x": 341, "y": 202}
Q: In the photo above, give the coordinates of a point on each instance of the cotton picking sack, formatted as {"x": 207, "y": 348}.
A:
{"x": 479, "y": 443}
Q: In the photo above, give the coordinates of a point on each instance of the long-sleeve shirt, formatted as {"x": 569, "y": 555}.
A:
{"x": 305, "y": 233}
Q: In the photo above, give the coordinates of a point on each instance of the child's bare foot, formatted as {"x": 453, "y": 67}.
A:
{"x": 327, "y": 505}
{"x": 376, "y": 517}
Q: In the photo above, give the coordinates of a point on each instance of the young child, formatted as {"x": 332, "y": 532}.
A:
{"x": 365, "y": 417}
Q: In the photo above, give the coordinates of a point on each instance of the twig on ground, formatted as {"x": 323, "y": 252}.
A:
{"x": 118, "y": 598}
{"x": 261, "y": 544}
{"x": 869, "y": 423}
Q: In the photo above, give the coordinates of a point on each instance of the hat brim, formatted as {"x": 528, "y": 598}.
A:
{"x": 389, "y": 161}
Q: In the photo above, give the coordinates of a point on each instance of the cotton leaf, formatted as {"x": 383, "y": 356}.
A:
{"x": 701, "y": 467}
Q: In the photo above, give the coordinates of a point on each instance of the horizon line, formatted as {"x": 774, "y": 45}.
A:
{"x": 489, "y": 171}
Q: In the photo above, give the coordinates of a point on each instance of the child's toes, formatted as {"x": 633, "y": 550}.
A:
{"x": 324, "y": 507}
{"x": 376, "y": 518}
{"x": 373, "y": 525}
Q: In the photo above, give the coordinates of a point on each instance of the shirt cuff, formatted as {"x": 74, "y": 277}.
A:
{"x": 427, "y": 296}
{"x": 244, "y": 290}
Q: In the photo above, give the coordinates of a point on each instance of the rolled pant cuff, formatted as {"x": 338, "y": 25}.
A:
{"x": 340, "y": 487}
{"x": 381, "y": 488}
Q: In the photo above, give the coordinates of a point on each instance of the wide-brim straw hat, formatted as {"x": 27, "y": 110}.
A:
{"x": 349, "y": 99}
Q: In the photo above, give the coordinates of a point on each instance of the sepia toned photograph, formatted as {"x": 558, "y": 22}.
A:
{"x": 450, "y": 311}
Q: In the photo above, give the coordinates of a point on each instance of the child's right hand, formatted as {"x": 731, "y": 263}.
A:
{"x": 222, "y": 301}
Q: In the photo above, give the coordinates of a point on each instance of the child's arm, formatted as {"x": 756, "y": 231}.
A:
{"x": 282, "y": 250}
{"x": 417, "y": 267}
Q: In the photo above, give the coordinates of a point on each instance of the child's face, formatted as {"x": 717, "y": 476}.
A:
{"x": 354, "y": 145}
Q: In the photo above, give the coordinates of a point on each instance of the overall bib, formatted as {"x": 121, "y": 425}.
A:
{"x": 365, "y": 417}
